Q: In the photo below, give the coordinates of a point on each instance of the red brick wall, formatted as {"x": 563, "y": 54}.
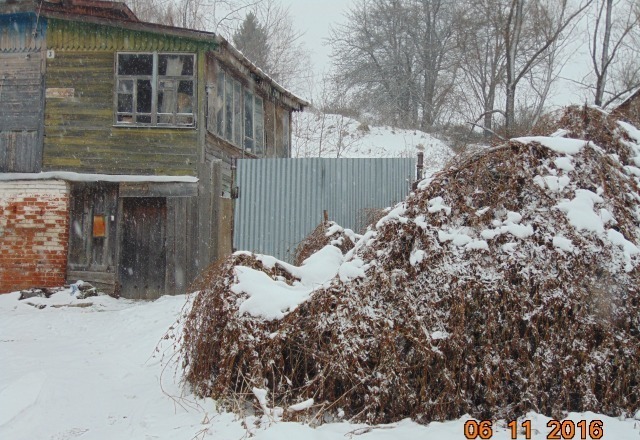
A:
{"x": 34, "y": 234}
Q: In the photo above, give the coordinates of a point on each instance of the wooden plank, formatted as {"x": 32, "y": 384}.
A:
{"x": 204, "y": 215}
{"x": 216, "y": 192}
{"x": 108, "y": 278}
{"x": 19, "y": 151}
{"x": 171, "y": 242}
{"x": 153, "y": 189}
{"x": 192, "y": 239}
{"x": 180, "y": 251}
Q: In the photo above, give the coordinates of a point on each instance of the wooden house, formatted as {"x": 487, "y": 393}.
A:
{"x": 140, "y": 123}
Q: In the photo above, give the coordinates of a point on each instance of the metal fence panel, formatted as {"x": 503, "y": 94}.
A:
{"x": 282, "y": 200}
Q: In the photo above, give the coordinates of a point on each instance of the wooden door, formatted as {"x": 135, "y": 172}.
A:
{"x": 143, "y": 249}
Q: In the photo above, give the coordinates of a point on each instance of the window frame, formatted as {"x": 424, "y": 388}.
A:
{"x": 220, "y": 111}
{"x": 155, "y": 78}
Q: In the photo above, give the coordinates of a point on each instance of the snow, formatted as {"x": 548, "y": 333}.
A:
{"x": 302, "y": 405}
{"x": 553, "y": 183}
{"x": 437, "y": 205}
{"x": 319, "y": 134}
{"x": 632, "y": 131}
{"x": 94, "y": 373}
{"x": 458, "y": 238}
{"x": 562, "y": 243}
{"x": 477, "y": 245}
{"x": 416, "y": 257}
{"x": 564, "y": 163}
{"x": 628, "y": 248}
{"x": 395, "y": 214}
{"x": 580, "y": 211}
{"x": 558, "y": 144}
{"x": 82, "y": 177}
{"x": 509, "y": 226}
{"x": 272, "y": 299}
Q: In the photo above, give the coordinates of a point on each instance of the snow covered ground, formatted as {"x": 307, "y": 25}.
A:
{"x": 94, "y": 373}
{"x": 328, "y": 135}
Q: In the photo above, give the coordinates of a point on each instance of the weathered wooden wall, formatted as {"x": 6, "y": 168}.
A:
{"x": 186, "y": 216}
{"x": 79, "y": 126}
{"x": 93, "y": 259}
{"x": 21, "y": 98}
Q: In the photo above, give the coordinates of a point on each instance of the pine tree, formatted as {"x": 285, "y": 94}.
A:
{"x": 251, "y": 38}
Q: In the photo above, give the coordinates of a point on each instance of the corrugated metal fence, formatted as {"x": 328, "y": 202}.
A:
{"x": 282, "y": 200}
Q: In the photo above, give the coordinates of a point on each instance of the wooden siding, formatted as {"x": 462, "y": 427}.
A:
{"x": 19, "y": 152}
{"x": 18, "y": 33}
{"x": 21, "y": 93}
{"x": 79, "y": 131}
{"x": 77, "y": 36}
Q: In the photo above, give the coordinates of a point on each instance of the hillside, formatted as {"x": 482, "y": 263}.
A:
{"x": 318, "y": 134}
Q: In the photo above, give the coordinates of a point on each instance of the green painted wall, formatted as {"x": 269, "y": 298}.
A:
{"x": 79, "y": 130}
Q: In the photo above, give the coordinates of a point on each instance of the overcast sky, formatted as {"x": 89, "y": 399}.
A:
{"x": 314, "y": 17}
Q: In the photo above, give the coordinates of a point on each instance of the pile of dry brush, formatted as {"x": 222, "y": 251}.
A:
{"x": 491, "y": 332}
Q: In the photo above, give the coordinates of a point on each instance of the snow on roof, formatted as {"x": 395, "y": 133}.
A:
{"x": 83, "y": 177}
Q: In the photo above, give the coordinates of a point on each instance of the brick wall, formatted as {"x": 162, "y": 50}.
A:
{"x": 34, "y": 234}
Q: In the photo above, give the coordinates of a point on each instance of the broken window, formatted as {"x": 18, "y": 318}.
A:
{"x": 155, "y": 89}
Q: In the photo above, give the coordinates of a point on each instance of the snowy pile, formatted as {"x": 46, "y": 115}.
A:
{"x": 505, "y": 284}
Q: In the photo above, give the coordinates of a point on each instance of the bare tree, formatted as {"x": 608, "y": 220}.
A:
{"x": 481, "y": 49}
{"x": 531, "y": 29}
{"x": 612, "y": 49}
{"x": 393, "y": 57}
{"x": 288, "y": 60}
{"x": 221, "y": 16}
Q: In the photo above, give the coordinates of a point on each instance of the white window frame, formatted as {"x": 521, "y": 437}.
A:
{"x": 174, "y": 118}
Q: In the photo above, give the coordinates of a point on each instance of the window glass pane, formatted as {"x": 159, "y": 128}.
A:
{"x": 166, "y": 96}
{"x": 184, "y": 120}
{"x": 175, "y": 65}
{"x": 125, "y": 86}
{"x": 143, "y": 119}
{"x": 165, "y": 119}
{"x": 248, "y": 144}
{"x": 185, "y": 97}
{"x": 228, "y": 133}
{"x": 237, "y": 113}
{"x": 259, "y": 126}
{"x": 248, "y": 114}
{"x": 219, "y": 106}
{"x": 135, "y": 64}
{"x": 143, "y": 102}
{"x": 125, "y": 103}
{"x": 125, "y": 119}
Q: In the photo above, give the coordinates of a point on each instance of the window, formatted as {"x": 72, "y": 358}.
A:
{"x": 155, "y": 89}
{"x": 237, "y": 115}
{"x": 253, "y": 124}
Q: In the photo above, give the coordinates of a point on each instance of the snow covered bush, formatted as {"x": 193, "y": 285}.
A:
{"x": 506, "y": 283}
